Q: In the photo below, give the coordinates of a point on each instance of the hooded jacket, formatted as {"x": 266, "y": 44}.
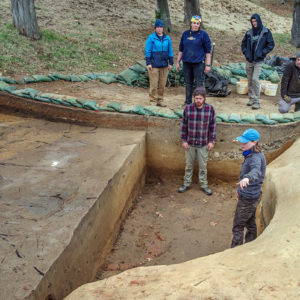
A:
{"x": 290, "y": 82}
{"x": 264, "y": 45}
{"x": 159, "y": 52}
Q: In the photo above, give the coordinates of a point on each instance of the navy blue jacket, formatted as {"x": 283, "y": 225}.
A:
{"x": 253, "y": 168}
{"x": 158, "y": 51}
{"x": 265, "y": 43}
{"x": 194, "y": 45}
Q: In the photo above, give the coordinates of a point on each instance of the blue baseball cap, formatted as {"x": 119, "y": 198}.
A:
{"x": 158, "y": 23}
{"x": 249, "y": 135}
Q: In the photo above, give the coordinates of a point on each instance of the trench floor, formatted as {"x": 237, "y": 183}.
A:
{"x": 166, "y": 227}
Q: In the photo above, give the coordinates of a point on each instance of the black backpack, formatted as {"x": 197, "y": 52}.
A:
{"x": 216, "y": 85}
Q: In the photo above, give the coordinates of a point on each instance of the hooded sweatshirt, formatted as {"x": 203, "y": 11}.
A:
{"x": 257, "y": 42}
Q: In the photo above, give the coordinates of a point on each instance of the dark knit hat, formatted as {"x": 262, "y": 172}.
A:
{"x": 298, "y": 54}
{"x": 158, "y": 23}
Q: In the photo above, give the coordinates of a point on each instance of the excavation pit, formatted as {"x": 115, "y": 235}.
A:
{"x": 78, "y": 182}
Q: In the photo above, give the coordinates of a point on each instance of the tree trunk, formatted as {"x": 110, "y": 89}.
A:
{"x": 164, "y": 14}
{"x": 24, "y": 18}
{"x": 191, "y": 8}
{"x": 296, "y": 25}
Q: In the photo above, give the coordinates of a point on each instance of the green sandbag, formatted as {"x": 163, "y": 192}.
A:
{"x": 128, "y": 76}
{"x": 142, "y": 63}
{"x": 218, "y": 120}
{"x": 52, "y": 77}
{"x": 161, "y": 112}
{"x": 223, "y": 117}
{"x": 289, "y": 116}
{"x": 114, "y": 105}
{"x": 248, "y": 118}
{"x": 239, "y": 72}
{"x": 234, "y": 118}
{"x": 265, "y": 74}
{"x": 8, "y": 80}
{"x": 39, "y": 98}
{"x": 274, "y": 77}
{"x": 80, "y": 101}
{"x": 41, "y": 78}
{"x": 47, "y": 95}
{"x": 61, "y": 76}
{"x": 223, "y": 72}
{"x": 107, "y": 78}
{"x": 264, "y": 119}
{"x": 72, "y": 101}
{"x": 233, "y": 80}
{"x": 138, "y": 109}
{"x": 297, "y": 115}
{"x": 30, "y": 92}
{"x": 105, "y": 108}
{"x": 279, "y": 118}
{"x": 179, "y": 112}
{"x": 267, "y": 67}
{"x": 84, "y": 78}
{"x": 10, "y": 88}
{"x": 20, "y": 93}
{"x": 126, "y": 108}
{"x": 74, "y": 78}
{"x": 91, "y": 76}
{"x": 3, "y": 85}
{"x": 138, "y": 69}
{"x": 91, "y": 104}
{"x": 28, "y": 79}
{"x": 58, "y": 99}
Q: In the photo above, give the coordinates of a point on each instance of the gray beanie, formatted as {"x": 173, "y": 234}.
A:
{"x": 298, "y": 54}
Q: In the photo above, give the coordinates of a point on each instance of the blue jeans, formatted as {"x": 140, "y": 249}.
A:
{"x": 193, "y": 77}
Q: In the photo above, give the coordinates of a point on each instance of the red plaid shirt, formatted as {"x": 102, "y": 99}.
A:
{"x": 198, "y": 126}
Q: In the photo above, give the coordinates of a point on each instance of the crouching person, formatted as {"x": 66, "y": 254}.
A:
{"x": 290, "y": 86}
{"x": 198, "y": 136}
{"x": 249, "y": 188}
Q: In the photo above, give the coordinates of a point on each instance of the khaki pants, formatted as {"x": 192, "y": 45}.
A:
{"x": 202, "y": 157}
{"x": 253, "y": 71}
{"x": 158, "y": 79}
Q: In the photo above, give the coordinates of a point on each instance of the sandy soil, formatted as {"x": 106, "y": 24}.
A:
{"x": 166, "y": 227}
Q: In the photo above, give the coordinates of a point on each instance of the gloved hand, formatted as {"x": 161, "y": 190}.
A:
{"x": 287, "y": 99}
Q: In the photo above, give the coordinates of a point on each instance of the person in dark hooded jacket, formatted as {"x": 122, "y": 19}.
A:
{"x": 256, "y": 44}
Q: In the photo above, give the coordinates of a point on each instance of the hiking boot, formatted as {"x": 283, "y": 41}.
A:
{"x": 255, "y": 106}
{"x": 183, "y": 189}
{"x": 161, "y": 104}
{"x": 250, "y": 103}
{"x": 207, "y": 191}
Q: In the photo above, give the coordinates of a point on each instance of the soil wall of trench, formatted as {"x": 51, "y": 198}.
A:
{"x": 163, "y": 155}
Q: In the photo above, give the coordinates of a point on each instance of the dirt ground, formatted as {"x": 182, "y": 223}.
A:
{"x": 174, "y": 97}
{"x": 166, "y": 227}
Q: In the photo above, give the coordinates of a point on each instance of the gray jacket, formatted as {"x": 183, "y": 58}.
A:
{"x": 253, "y": 168}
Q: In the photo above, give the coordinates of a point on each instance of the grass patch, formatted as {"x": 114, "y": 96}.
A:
{"x": 282, "y": 38}
{"x": 66, "y": 53}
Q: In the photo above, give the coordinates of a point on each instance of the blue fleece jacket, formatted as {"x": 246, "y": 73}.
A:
{"x": 256, "y": 49}
{"x": 194, "y": 45}
{"x": 158, "y": 51}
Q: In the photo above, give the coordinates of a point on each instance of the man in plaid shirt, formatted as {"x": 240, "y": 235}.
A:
{"x": 198, "y": 135}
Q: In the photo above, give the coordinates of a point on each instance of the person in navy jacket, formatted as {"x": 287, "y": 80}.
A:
{"x": 256, "y": 44}
{"x": 194, "y": 51}
{"x": 159, "y": 59}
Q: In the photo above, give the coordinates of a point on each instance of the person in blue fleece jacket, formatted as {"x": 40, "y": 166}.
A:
{"x": 194, "y": 51}
{"x": 159, "y": 59}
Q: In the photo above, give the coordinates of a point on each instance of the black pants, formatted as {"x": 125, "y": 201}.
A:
{"x": 244, "y": 218}
{"x": 193, "y": 77}
{"x": 297, "y": 106}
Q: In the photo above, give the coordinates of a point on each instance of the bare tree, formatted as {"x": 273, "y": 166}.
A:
{"x": 24, "y": 18}
{"x": 162, "y": 12}
{"x": 296, "y": 25}
{"x": 191, "y": 8}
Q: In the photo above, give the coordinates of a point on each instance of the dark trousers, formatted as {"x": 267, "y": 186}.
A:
{"x": 193, "y": 77}
{"x": 244, "y": 218}
{"x": 297, "y": 106}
